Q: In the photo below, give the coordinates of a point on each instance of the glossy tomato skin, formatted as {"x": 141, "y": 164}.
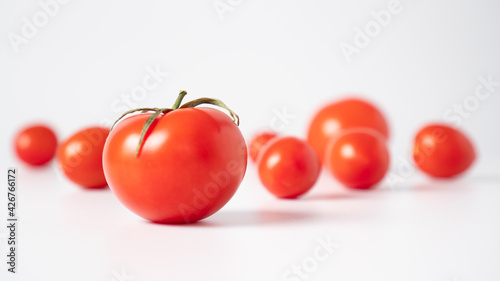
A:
{"x": 345, "y": 114}
{"x": 80, "y": 157}
{"x": 442, "y": 151}
{"x": 257, "y": 142}
{"x": 190, "y": 165}
{"x": 358, "y": 158}
{"x": 36, "y": 145}
{"x": 288, "y": 167}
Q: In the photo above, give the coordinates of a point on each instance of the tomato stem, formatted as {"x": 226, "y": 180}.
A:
{"x": 146, "y": 126}
{"x": 178, "y": 101}
{"x": 216, "y": 102}
{"x": 177, "y": 105}
{"x": 142, "y": 110}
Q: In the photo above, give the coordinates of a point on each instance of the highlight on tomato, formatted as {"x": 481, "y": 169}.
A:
{"x": 358, "y": 158}
{"x": 176, "y": 165}
{"x": 442, "y": 151}
{"x": 35, "y": 145}
{"x": 288, "y": 167}
{"x": 348, "y": 113}
{"x": 80, "y": 157}
{"x": 257, "y": 142}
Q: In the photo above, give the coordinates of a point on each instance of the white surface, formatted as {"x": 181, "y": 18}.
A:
{"x": 429, "y": 230}
{"x": 262, "y": 57}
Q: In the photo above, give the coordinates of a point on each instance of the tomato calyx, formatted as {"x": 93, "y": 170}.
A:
{"x": 177, "y": 105}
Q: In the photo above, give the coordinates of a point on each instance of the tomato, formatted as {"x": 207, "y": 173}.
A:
{"x": 341, "y": 115}
{"x": 358, "y": 158}
{"x": 189, "y": 165}
{"x": 80, "y": 157}
{"x": 258, "y": 142}
{"x": 442, "y": 151}
{"x": 36, "y": 145}
{"x": 288, "y": 167}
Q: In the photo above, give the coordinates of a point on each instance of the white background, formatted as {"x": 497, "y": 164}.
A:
{"x": 260, "y": 57}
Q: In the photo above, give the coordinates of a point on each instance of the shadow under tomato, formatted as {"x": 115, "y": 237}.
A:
{"x": 332, "y": 196}
{"x": 230, "y": 218}
{"x": 76, "y": 204}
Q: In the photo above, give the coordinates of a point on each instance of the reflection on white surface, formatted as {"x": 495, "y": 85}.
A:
{"x": 446, "y": 227}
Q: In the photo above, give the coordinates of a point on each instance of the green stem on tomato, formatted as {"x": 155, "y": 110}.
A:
{"x": 216, "y": 102}
{"x": 143, "y": 110}
{"x": 146, "y": 126}
{"x": 177, "y": 105}
{"x": 178, "y": 101}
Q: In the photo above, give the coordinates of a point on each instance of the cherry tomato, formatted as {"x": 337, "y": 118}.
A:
{"x": 36, "y": 145}
{"x": 442, "y": 151}
{"x": 358, "y": 158}
{"x": 189, "y": 165}
{"x": 80, "y": 157}
{"x": 341, "y": 115}
{"x": 288, "y": 167}
{"x": 258, "y": 142}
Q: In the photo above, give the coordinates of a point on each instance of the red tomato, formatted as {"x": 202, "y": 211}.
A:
{"x": 36, "y": 145}
{"x": 442, "y": 151}
{"x": 258, "y": 142}
{"x": 288, "y": 167}
{"x": 358, "y": 158}
{"x": 190, "y": 164}
{"x": 80, "y": 157}
{"x": 341, "y": 115}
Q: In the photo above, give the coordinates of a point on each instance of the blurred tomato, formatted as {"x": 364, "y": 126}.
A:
{"x": 358, "y": 158}
{"x": 442, "y": 151}
{"x": 341, "y": 115}
{"x": 288, "y": 167}
{"x": 258, "y": 142}
{"x": 80, "y": 157}
{"x": 36, "y": 145}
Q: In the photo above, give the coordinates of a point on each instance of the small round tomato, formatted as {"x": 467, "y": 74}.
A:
{"x": 80, "y": 157}
{"x": 288, "y": 167}
{"x": 341, "y": 115}
{"x": 189, "y": 164}
{"x": 258, "y": 142}
{"x": 36, "y": 145}
{"x": 358, "y": 158}
{"x": 442, "y": 151}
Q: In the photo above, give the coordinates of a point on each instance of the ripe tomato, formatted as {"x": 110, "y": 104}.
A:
{"x": 442, "y": 151}
{"x": 36, "y": 145}
{"x": 258, "y": 142}
{"x": 288, "y": 167}
{"x": 358, "y": 158}
{"x": 189, "y": 165}
{"x": 341, "y": 115}
{"x": 80, "y": 157}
